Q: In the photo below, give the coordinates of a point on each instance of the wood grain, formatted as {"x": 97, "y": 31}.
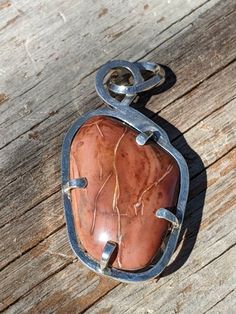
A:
{"x": 47, "y": 83}
{"x": 54, "y": 218}
{"x": 41, "y": 54}
{"x": 36, "y": 152}
{"x": 226, "y": 141}
{"x": 216, "y": 236}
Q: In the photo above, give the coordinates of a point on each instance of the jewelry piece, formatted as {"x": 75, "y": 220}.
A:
{"x": 125, "y": 187}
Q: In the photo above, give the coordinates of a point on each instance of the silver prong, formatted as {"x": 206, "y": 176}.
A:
{"x": 80, "y": 183}
{"x": 142, "y": 138}
{"x": 107, "y": 253}
{"x": 164, "y": 213}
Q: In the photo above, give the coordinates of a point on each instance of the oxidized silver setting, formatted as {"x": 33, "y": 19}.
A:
{"x": 147, "y": 129}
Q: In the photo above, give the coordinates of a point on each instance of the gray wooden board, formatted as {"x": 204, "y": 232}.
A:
{"x": 217, "y": 235}
{"x": 53, "y": 219}
{"x": 49, "y": 54}
{"x": 34, "y": 148}
{"x": 53, "y": 245}
{"x": 49, "y": 39}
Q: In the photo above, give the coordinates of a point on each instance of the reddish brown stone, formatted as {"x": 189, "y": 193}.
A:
{"x": 126, "y": 184}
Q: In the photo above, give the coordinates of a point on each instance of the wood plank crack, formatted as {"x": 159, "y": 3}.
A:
{"x": 221, "y": 300}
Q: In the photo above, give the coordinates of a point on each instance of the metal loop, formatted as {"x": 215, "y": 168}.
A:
{"x": 130, "y": 92}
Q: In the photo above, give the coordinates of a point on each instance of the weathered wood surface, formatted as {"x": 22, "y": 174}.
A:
{"x": 49, "y": 54}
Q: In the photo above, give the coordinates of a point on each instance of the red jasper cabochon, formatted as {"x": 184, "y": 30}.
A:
{"x": 127, "y": 183}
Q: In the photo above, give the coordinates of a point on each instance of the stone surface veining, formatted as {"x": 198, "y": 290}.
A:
{"x": 127, "y": 183}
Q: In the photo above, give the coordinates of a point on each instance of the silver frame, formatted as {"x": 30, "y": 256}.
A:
{"x": 142, "y": 125}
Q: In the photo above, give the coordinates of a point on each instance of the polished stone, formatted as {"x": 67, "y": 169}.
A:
{"x": 127, "y": 183}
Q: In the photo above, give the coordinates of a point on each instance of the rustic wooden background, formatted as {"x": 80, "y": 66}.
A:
{"x": 49, "y": 53}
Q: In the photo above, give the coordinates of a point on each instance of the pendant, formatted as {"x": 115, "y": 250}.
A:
{"x": 125, "y": 187}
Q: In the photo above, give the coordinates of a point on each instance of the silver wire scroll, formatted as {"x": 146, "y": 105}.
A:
{"x": 106, "y": 88}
